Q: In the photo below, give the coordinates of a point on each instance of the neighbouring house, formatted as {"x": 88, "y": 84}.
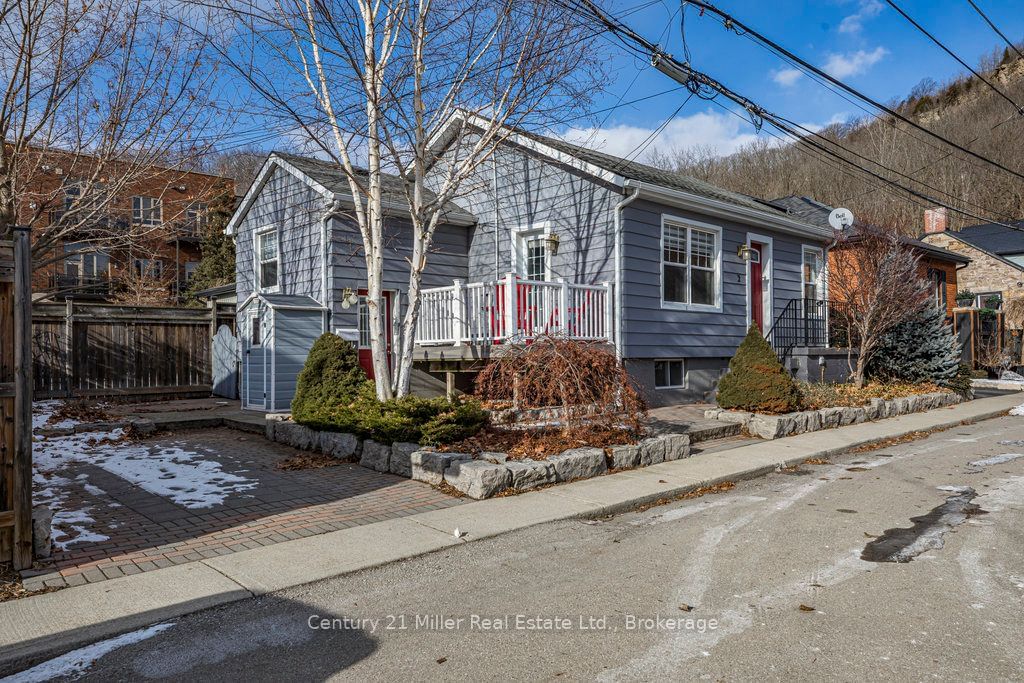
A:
{"x": 996, "y": 270}
{"x": 144, "y": 243}
{"x": 942, "y": 267}
{"x": 551, "y": 237}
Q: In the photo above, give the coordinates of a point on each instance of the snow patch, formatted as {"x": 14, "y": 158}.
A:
{"x": 1017, "y": 410}
{"x": 995, "y": 460}
{"x": 75, "y": 663}
{"x": 71, "y": 526}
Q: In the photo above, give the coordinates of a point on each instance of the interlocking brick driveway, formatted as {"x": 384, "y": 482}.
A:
{"x": 147, "y": 531}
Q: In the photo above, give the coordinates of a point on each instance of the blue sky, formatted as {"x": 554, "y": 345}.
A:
{"x": 864, "y": 42}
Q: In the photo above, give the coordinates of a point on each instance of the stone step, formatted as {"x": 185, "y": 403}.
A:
{"x": 699, "y": 430}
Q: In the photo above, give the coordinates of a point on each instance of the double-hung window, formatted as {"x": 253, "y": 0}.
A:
{"x": 938, "y": 280}
{"x": 147, "y": 211}
{"x": 267, "y": 259}
{"x": 813, "y": 273}
{"x": 669, "y": 374}
{"x": 690, "y": 265}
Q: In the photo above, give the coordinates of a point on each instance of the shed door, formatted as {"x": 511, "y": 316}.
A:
{"x": 255, "y": 364}
{"x": 365, "y": 354}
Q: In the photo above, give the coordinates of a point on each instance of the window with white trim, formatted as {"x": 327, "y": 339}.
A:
{"x": 533, "y": 257}
{"x": 689, "y": 265}
{"x": 147, "y": 210}
{"x": 364, "y": 324}
{"x": 669, "y": 374}
{"x": 813, "y": 267}
{"x": 267, "y": 258}
{"x": 149, "y": 268}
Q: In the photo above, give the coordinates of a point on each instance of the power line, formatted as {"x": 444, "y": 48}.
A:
{"x": 996, "y": 29}
{"x": 952, "y": 54}
{"x": 737, "y": 25}
{"x": 695, "y": 80}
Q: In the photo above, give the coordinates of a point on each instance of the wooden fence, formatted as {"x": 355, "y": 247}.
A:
{"x": 82, "y": 350}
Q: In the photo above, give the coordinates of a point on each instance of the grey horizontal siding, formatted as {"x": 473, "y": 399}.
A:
{"x": 294, "y": 334}
{"x": 655, "y": 332}
{"x": 517, "y": 189}
{"x": 295, "y": 209}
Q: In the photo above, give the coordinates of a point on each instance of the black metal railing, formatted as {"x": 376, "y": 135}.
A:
{"x": 79, "y": 286}
{"x": 812, "y": 323}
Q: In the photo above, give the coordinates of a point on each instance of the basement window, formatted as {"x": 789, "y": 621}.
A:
{"x": 669, "y": 374}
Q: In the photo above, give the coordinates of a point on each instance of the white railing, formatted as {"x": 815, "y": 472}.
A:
{"x": 513, "y": 309}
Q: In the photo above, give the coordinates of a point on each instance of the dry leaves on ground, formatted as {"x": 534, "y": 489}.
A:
{"x": 537, "y": 444}
{"x": 11, "y": 587}
{"x": 307, "y": 461}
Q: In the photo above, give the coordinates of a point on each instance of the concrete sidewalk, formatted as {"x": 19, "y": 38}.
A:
{"x": 41, "y": 626}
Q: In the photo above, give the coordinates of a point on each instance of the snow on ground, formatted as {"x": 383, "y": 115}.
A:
{"x": 1018, "y": 410}
{"x": 172, "y": 471}
{"x": 75, "y": 663}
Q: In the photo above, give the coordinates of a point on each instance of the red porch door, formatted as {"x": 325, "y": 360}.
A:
{"x": 756, "y": 286}
{"x": 365, "y": 354}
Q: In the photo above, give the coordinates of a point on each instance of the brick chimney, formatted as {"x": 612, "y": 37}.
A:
{"x": 935, "y": 220}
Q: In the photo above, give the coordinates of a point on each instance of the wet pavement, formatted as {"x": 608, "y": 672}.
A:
{"x": 764, "y": 582}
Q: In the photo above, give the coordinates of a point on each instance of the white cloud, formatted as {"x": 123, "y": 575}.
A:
{"x": 855, "y": 22}
{"x": 853, "y": 63}
{"x": 721, "y": 132}
{"x": 787, "y": 77}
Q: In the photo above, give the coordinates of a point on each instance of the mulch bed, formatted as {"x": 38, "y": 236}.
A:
{"x": 11, "y": 587}
{"x": 307, "y": 461}
{"x": 537, "y": 444}
{"x": 815, "y": 396}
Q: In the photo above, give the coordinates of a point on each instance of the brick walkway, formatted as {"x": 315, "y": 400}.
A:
{"x": 147, "y": 531}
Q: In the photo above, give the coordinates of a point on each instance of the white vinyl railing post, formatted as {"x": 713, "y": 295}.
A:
{"x": 459, "y": 322}
{"x": 609, "y": 313}
{"x": 510, "y": 306}
{"x": 563, "y": 307}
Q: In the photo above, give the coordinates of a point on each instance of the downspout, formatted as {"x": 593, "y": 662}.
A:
{"x": 494, "y": 180}
{"x": 620, "y": 329}
{"x": 325, "y": 291}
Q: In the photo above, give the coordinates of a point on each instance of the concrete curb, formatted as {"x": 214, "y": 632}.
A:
{"x": 42, "y": 626}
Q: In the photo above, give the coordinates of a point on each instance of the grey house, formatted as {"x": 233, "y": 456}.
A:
{"x": 550, "y": 237}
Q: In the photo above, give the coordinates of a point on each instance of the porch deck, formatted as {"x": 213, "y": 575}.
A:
{"x": 467, "y": 321}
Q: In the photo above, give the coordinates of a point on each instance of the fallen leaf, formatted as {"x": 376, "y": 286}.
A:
{"x": 870, "y": 535}
{"x": 442, "y": 660}
{"x": 662, "y": 481}
{"x": 686, "y": 608}
{"x": 806, "y": 608}
{"x": 856, "y": 469}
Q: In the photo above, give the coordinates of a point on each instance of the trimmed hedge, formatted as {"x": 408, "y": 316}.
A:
{"x": 756, "y": 380}
{"x": 334, "y": 395}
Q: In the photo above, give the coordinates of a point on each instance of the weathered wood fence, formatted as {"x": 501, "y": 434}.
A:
{"x": 82, "y": 350}
{"x": 15, "y": 403}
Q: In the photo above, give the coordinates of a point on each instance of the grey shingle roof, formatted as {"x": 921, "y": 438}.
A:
{"x": 333, "y": 177}
{"x": 814, "y": 212}
{"x": 642, "y": 172}
{"x": 993, "y": 238}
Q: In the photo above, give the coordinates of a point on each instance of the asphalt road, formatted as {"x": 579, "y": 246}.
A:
{"x": 771, "y": 572}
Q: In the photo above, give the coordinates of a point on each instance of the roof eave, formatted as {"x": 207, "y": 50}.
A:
{"x": 723, "y": 209}
{"x": 983, "y": 251}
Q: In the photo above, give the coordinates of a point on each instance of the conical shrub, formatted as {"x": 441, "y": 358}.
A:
{"x": 756, "y": 380}
{"x": 330, "y": 378}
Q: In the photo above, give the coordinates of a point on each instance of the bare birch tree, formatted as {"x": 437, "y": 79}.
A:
{"x": 373, "y": 84}
{"x": 875, "y": 283}
{"x": 99, "y": 97}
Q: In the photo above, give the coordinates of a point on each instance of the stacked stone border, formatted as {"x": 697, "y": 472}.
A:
{"x": 790, "y": 424}
{"x": 484, "y": 475}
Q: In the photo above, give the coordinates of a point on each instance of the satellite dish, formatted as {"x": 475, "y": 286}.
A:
{"x": 840, "y": 218}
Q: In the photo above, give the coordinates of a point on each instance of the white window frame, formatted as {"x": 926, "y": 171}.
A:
{"x": 138, "y": 215}
{"x": 821, "y": 281}
{"x": 258, "y": 262}
{"x": 689, "y": 224}
{"x": 149, "y": 267}
{"x": 520, "y": 235}
{"x": 682, "y": 373}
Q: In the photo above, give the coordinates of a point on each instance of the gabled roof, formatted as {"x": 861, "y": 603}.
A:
{"x": 993, "y": 238}
{"x": 813, "y": 211}
{"x": 659, "y": 185}
{"x": 284, "y": 301}
{"x": 330, "y": 180}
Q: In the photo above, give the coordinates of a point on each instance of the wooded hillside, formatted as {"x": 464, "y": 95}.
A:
{"x": 964, "y": 110}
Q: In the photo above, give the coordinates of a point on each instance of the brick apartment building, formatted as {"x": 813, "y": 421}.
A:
{"x": 126, "y": 233}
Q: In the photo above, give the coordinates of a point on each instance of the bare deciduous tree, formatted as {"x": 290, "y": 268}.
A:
{"x": 373, "y": 84}
{"x": 875, "y": 282}
{"x": 98, "y": 97}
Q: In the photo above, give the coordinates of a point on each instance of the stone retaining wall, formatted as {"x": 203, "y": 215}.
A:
{"x": 789, "y": 424}
{"x": 485, "y": 475}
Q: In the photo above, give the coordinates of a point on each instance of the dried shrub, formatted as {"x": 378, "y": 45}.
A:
{"x": 584, "y": 381}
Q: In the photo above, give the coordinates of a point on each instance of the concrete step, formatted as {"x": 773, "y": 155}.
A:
{"x": 699, "y": 430}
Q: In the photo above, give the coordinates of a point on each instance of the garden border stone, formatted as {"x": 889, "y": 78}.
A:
{"x": 789, "y": 424}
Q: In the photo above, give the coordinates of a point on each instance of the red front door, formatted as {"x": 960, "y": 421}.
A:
{"x": 756, "y": 288}
{"x": 365, "y": 354}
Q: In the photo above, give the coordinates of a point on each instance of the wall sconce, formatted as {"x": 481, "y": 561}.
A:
{"x": 552, "y": 243}
{"x": 348, "y": 298}
{"x": 747, "y": 253}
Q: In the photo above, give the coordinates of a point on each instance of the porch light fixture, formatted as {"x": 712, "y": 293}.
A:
{"x": 348, "y": 298}
{"x": 745, "y": 252}
{"x": 551, "y": 241}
